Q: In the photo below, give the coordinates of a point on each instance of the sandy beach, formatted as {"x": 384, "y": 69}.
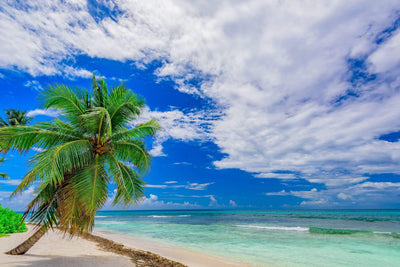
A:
{"x": 56, "y": 250}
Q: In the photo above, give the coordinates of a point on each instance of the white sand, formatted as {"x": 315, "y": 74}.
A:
{"x": 54, "y": 249}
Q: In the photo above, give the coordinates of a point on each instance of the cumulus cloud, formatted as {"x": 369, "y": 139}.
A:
{"x": 232, "y": 203}
{"x": 11, "y": 181}
{"x": 213, "y": 202}
{"x": 281, "y": 73}
{"x": 178, "y": 125}
{"x": 44, "y": 112}
{"x": 387, "y": 56}
{"x": 156, "y": 186}
{"x": 366, "y": 194}
{"x": 173, "y": 184}
{"x": 151, "y": 202}
{"x": 283, "y": 176}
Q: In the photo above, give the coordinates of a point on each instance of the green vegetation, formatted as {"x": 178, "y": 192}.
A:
{"x": 10, "y": 222}
{"x": 86, "y": 149}
{"x": 15, "y": 117}
{"x": 3, "y": 175}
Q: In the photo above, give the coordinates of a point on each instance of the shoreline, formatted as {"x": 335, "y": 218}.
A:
{"x": 178, "y": 254}
{"x": 103, "y": 249}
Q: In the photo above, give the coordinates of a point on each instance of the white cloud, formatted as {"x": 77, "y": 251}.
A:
{"x": 11, "y": 181}
{"x": 73, "y": 72}
{"x": 178, "y": 125}
{"x": 197, "y": 186}
{"x": 302, "y": 194}
{"x": 18, "y": 202}
{"x": 367, "y": 195}
{"x": 343, "y": 196}
{"x": 283, "y": 176}
{"x": 280, "y": 193}
{"x": 34, "y": 84}
{"x": 232, "y": 203}
{"x": 278, "y": 70}
{"x": 173, "y": 184}
{"x": 213, "y": 202}
{"x": 182, "y": 163}
{"x": 387, "y": 56}
{"x": 156, "y": 186}
{"x": 152, "y": 202}
{"x": 44, "y": 112}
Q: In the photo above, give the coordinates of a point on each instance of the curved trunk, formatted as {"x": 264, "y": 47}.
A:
{"x": 27, "y": 244}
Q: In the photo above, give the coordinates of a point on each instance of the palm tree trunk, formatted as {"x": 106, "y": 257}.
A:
{"x": 27, "y": 244}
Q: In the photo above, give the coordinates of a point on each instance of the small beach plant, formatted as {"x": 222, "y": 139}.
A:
{"x": 87, "y": 148}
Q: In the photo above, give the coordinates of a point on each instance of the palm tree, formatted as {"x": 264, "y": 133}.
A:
{"x": 15, "y": 117}
{"x": 3, "y": 175}
{"x": 84, "y": 151}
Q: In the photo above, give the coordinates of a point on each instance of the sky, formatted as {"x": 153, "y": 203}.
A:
{"x": 264, "y": 104}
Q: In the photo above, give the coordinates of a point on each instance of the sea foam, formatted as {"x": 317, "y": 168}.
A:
{"x": 279, "y": 228}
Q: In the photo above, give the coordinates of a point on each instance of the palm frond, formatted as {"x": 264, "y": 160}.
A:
{"x": 61, "y": 127}
{"x": 149, "y": 128}
{"x": 129, "y": 183}
{"x": 50, "y": 166}
{"x": 44, "y": 206}
{"x": 63, "y": 98}
{"x": 97, "y": 123}
{"x": 73, "y": 218}
{"x": 100, "y": 92}
{"x": 133, "y": 151}
{"x": 23, "y": 138}
{"x": 3, "y": 123}
{"x": 123, "y": 106}
{"x": 90, "y": 184}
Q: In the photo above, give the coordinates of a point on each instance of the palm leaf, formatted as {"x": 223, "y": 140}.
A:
{"x": 133, "y": 151}
{"x": 63, "y": 98}
{"x": 90, "y": 183}
{"x": 142, "y": 130}
{"x": 129, "y": 183}
{"x": 23, "y": 138}
{"x": 97, "y": 122}
{"x": 123, "y": 106}
{"x": 50, "y": 166}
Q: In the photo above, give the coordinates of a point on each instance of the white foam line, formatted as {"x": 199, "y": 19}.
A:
{"x": 280, "y": 228}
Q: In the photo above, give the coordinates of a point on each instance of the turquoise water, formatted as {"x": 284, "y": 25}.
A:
{"x": 273, "y": 237}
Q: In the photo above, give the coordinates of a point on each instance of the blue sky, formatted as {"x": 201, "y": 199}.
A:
{"x": 264, "y": 104}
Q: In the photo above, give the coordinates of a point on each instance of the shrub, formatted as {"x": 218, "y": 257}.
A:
{"x": 10, "y": 222}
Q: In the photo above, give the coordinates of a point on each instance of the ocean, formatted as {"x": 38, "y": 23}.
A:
{"x": 271, "y": 237}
